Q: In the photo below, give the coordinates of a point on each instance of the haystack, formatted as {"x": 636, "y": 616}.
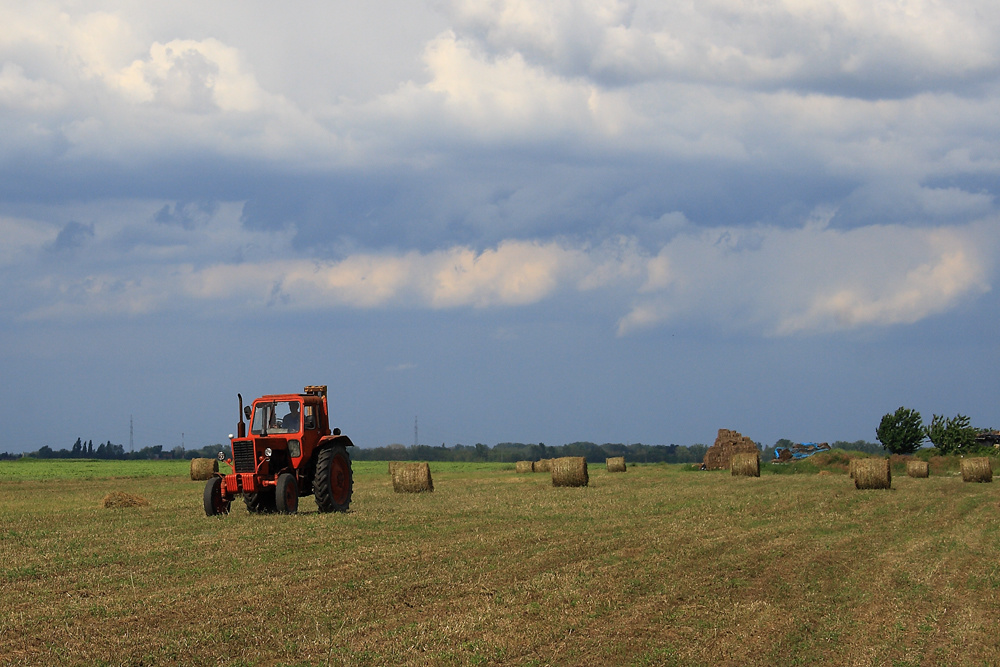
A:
{"x": 851, "y": 467}
{"x": 746, "y": 464}
{"x": 392, "y": 466}
{"x": 545, "y": 465}
{"x": 918, "y": 469}
{"x": 977, "y": 469}
{"x": 615, "y": 464}
{"x": 569, "y": 471}
{"x": 202, "y": 469}
{"x": 119, "y": 499}
{"x": 412, "y": 478}
{"x": 720, "y": 455}
{"x": 523, "y": 466}
{"x": 873, "y": 473}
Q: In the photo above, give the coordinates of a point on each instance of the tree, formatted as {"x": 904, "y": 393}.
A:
{"x": 951, "y": 436}
{"x": 901, "y": 432}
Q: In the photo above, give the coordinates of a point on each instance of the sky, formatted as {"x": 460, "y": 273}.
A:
{"x": 484, "y": 221}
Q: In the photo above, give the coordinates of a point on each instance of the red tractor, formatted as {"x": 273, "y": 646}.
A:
{"x": 290, "y": 452}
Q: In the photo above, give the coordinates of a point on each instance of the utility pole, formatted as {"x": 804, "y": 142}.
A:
{"x": 415, "y": 432}
{"x": 130, "y": 435}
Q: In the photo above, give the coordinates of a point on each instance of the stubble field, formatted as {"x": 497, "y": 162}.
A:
{"x": 656, "y": 566}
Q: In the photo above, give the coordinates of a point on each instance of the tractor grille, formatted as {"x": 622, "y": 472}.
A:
{"x": 244, "y": 459}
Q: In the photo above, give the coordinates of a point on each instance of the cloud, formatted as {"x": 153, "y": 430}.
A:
{"x": 191, "y": 75}
{"x": 779, "y": 281}
{"x": 18, "y": 92}
{"x": 858, "y": 48}
{"x": 515, "y": 273}
{"x": 72, "y": 236}
{"x": 399, "y": 368}
{"x": 762, "y": 280}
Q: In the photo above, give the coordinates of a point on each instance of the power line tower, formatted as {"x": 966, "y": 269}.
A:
{"x": 131, "y": 443}
{"x": 414, "y": 431}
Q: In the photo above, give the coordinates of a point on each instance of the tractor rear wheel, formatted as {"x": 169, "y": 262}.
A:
{"x": 286, "y": 494}
{"x": 333, "y": 484}
{"x": 214, "y": 503}
{"x": 261, "y": 502}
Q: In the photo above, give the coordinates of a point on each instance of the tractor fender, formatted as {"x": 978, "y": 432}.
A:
{"x": 333, "y": 440}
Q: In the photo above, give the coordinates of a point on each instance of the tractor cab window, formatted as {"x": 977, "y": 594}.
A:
{"x": 310, "y": 414}
{"x": 276, "y": 417}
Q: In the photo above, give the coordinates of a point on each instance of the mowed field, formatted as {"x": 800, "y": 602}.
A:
{"x": 656, "y": 566}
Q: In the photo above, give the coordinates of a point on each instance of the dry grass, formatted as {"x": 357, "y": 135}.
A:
{"x": 664, "y": 567}
{"x": 119, "y": 499}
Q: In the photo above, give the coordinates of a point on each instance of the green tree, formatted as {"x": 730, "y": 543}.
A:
{"x": 951, "y": 436}
{"x": 901, "y": 432}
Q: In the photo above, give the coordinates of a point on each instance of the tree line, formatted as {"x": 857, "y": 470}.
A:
{"x": 903, "y": 432}
{"x": 109, "y": 450}
{"x": 478, "y": 453}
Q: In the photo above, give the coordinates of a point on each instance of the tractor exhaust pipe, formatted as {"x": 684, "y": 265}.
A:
{"x": 241, "y": 428}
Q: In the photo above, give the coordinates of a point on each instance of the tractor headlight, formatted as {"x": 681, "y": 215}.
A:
{"x": 222, "y": 455}
{"x": 267, "y": 452}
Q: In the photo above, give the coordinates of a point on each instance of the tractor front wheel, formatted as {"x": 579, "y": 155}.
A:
{"x": 286, "y": 494}
{"x": 214, "y": 502}
{"x": 333, "y": 483}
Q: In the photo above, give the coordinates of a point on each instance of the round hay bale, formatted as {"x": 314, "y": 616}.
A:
{"x": 118, "y": 499}
{"x": 392, "y": 467}
{"x": 615, "y": 464}
{"x": 569, "y": 471}
{"x": 745, "y": 464}
{"x": 523, "y": 467}
{"x": 977, "y": 469}
{"x": 202, "y": 469}
{"x": 545, "y": 465}
{"x": 412, "y": 478}
{"x": 918, "y": 469}
{"x": 873, "y": 473}
{"x": 851, "y": 467}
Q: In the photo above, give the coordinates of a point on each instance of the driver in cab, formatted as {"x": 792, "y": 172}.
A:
{"x": 291, "y": 421}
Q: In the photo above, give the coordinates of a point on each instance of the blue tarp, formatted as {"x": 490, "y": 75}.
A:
{"x": 799, "y": 450}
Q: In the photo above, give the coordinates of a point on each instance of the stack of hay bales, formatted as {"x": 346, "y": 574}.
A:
{"x": 977, "y": 469}
{"x": 545, "y": 465}
{"x": 569, "y": 471}
{"x": 872, "y": 473}
{"x": 202, "y": 469}
{"x": 746, "y": 464}
{"x": 918, "y": 469}
{"x": 411, "y": 478}
{"x": 119, "y": 499}
{"x": 615, "y": 464}
{"x": 720, "y": 455}
{"x": 523, "y": 467}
